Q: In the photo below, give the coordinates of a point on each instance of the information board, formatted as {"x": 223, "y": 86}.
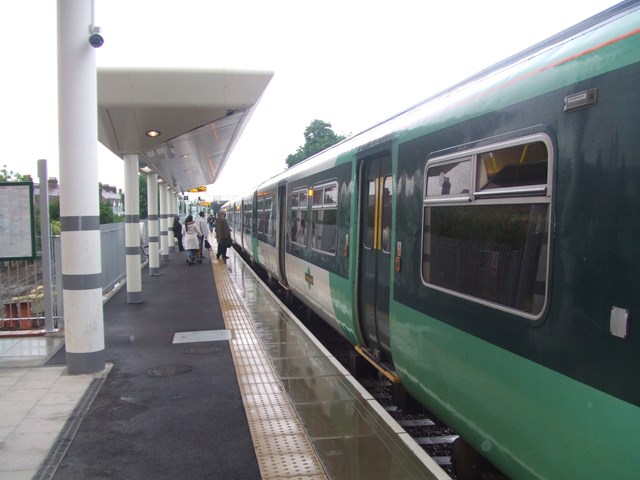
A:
{"x": 17, "y": 232}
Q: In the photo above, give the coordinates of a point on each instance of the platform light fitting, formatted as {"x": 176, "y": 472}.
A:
{"x": 152, "y": 133}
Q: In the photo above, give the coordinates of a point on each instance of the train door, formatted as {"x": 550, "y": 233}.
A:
{"x": 375, "y": 255}
{"x": 282, "y": 229}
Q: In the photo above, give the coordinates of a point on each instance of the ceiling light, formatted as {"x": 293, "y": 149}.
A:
{"x": 153, "y": 133}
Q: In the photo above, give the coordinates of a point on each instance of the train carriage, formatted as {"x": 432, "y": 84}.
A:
{"x": 482, "y": 248}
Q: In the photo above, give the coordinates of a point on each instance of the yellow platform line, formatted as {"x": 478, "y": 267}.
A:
{"x": 281, "y": 444}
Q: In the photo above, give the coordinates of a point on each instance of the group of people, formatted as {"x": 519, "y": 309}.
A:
{"x": 191, "y": 236}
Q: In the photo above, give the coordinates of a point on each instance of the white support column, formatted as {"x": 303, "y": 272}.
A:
{"x": 132, "y": 228}
{"x": 171, "y": 212}
{"x": 152, "y": 208}
{"x": 164, "y": 240}
{"x": 79, "y": 209}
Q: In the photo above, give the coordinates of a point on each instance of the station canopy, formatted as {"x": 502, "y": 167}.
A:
{"x": 199, "y": 116}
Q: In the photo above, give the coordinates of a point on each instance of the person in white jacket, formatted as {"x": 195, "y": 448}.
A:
{"x": 202, "y": 225}
{"x": 190, "y": 233}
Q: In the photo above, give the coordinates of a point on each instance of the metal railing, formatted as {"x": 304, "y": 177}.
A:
{"x": 21, "y": 281}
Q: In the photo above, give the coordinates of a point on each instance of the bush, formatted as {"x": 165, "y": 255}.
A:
{"x": 55, "y": 227}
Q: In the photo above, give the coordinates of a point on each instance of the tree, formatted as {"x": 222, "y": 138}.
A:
{"x": 142, "y": 188}
{"x": 318, "y": 136}
{"x": 142, "y": 197}
{"x": 11, "y": 176}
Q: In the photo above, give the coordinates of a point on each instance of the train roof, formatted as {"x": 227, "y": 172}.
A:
{"x": 514, "y": 71}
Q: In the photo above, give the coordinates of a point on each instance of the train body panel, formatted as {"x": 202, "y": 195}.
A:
{"x": 484, "y": 245}
{"x": 310, "y": 283}
{"x": 594, "y": 224}
{"x": 508, "y": 404}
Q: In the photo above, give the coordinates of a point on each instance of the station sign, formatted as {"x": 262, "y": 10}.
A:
{"x": 198, "y": 189}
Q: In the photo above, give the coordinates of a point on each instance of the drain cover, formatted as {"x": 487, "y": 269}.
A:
{"x": 168, "y": 370}
{"x": 202, "y": 350}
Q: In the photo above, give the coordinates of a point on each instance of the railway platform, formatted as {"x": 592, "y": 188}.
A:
{"x": 209, "y": 377}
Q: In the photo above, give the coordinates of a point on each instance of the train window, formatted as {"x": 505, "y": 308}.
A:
{"x": 369, "y": 227}
{"x": 265, "y": 214}
{"x": 386, "y": 215}
{"x": 452, "y": 178}
{"x": 268, "y": 216}
{"x": 247, "y": 216}
{"x": 324, "y": 218}
{"x": 491, "y": 248}
{"x": 299, "y": 217}
{"x": 516, "y": 166}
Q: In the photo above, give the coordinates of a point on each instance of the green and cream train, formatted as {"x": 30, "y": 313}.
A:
{"x": 484, "y": 247}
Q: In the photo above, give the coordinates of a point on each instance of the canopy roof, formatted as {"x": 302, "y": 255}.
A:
{"x": 199, "y": 114}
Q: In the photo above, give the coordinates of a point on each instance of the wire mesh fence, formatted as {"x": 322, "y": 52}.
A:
{"x": 22, "y": 287}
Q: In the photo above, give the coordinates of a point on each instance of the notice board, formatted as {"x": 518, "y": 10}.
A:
{"x": 17, "y": 232}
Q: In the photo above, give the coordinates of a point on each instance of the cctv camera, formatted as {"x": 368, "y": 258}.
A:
{"x": 96, "y": 40}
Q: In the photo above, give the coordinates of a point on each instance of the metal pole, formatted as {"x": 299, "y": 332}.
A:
{"x": 132, "y": 228}
{"x": 164, "y": 219}
{"x": 79, "y": 209}
{"x": 45, "y": 241}
{"x": 154, "y": 235}
{"x": 57, "y": 255}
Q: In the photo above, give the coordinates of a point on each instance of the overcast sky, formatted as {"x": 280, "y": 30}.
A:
{"x": 348, "y": 62}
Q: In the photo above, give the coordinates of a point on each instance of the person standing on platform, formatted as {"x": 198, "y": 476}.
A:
{"x": 190, "y": 233}
{"x": 202, "y": 226}
{"x": 177, "y": 232}
{"x": 211, "y": 220}
{"x": 223, "y": 235}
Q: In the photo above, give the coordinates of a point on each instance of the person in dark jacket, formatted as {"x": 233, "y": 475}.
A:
{"x": 223, "y": 235}
{"x": 177, "y": 232}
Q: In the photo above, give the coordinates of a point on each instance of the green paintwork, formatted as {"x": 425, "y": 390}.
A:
{"x": 530, "y": 410}
{"x": 538, "y": 76}
{"x": 495, "y": 378}
{"x": 343, "y": 306}
{"x": 254, "y": 247}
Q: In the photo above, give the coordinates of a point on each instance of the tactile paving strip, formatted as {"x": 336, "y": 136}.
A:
{"x": 282, "y": 448}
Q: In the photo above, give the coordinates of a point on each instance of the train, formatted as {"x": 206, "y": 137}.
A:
{"x": 482, "y": 248}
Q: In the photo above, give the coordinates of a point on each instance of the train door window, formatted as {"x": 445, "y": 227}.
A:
{"x": 486, "y": 234}
{"x": 299, "y": 217}
{"x": 268, "y": 215}
{"x": 265, "y": 205}
{"x": 247, "y": 216}
{"x": 238, "y": 218}
{"x": 324, "y": 218}
{"x": 260, "y": 215}
{"x": 370, "y": 217}
{"x": 386, "y": 214}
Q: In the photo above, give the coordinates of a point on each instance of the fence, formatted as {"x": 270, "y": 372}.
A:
{"x": 22, "y": 288}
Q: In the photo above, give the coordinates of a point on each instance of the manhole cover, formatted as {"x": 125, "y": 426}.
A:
{"x": 168, "y": 370}
{"x": 202, "y": 350}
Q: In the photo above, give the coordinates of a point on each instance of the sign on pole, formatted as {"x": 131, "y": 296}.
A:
{"x": 17, "y": 225}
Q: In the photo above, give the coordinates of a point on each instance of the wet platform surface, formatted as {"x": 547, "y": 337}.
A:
{"x": 350, "y": 432}
{"x": 214, "y": 378}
